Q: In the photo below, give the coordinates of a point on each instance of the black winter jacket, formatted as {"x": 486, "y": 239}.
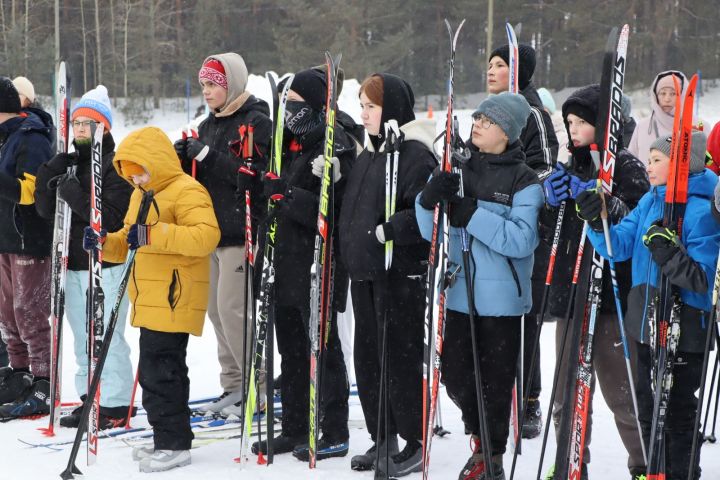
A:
{"x": 26, "y": 142}
{"x": 297, "y": 217}
{"x": 538, "y": 137}
{"x": 364, "y": 208}
{"x": 219, "y": 170}
{"x": 115, "y": 197}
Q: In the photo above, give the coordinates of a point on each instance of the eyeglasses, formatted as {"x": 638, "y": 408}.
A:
{"x": 86, "y": 123}
{"x": 483, "y": 121}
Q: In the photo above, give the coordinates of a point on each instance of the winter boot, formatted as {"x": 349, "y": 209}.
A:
{"x": 138, "y": 453}
{"x": 475, "y": 468}
{"x": 224, "y": 400}
{"x": 366, "y": 461}
{"x": 162, "y": 460}
{"x": 14, "y": 384}
{"x": 35, "y": 402}
{"x": 403, "y": 463}
{"x": 326, "y": 448}
{"x": 532, "y": 426}
{"x": 281, "y": 444}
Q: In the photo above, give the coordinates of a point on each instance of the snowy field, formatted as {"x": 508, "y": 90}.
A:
{"x": 215, "y": 460}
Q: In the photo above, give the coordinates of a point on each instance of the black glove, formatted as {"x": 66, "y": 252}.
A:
{"x": 662, "y": 242}
{"x": 274, "y": 187}
{"x": 68, "y": 188}
{"x": 181, "y": 148}
{"x": 196, "y": 150}
{"x": 461, "y": 211}
{"x": 61, "y": 161}
{"x": 442, "y": 186}
{"x": 588, "y": 205}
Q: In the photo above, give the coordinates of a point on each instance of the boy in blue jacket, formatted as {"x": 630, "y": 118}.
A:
{"x": 502, "y": 198}
{"x": 689, "y": 264}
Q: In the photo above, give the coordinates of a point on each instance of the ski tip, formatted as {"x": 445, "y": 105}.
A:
{"x": 236, "y": 460}
{"x": 261, "y": 459}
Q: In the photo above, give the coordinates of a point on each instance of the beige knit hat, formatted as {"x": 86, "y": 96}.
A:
{"x": 25, "y": 87}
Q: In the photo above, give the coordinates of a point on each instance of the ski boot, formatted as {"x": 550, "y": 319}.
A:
{"x": 14, "y": 384}
{"x": 366, "y": 461}
{"x": 326, "y": 448}
{"x": 36, "y": 402}
{"x": 532, "y": 426}
{"x": 281, "y": 444}
{"x": 409, "y": 460}
{"x": 162, "y": 460}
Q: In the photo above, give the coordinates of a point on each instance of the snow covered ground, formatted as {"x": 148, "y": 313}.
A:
{"x": 20, "y": 462}
{"x": 215, "y": 460}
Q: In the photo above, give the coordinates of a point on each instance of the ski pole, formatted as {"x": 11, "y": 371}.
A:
{"x": 703, "y": 377}
{"x": 540, "y": 319}
{"x": 566, "y": 331}
{"x": 485, "y": 441}
{"x": 618, "y": 307}
{"x": 712, "y": 389}
{"x": 132, "y": 398}
{"x": 71, "y": 468}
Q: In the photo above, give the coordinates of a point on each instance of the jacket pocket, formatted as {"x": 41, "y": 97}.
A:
{"x": 515, "y": 276}
{"x": 175, "y": 290}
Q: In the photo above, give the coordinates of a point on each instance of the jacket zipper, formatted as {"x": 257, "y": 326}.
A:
{"x": 515, "y": 276}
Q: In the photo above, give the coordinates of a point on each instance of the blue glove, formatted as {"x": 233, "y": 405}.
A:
{"x": 578, "y": 186}
{"x": 557, "y": 186}
{"x": 138, "y": 236}
{"x": 91, "y": 240}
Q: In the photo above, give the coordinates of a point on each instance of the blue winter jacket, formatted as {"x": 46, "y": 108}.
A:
{"x": 26, "y": 142}
{"x": 503, "y": 233}
{"x": 700, "y": 238}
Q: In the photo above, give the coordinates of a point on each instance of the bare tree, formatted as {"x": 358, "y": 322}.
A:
{"x": 98, "y": 47}
{"x": 84, "y": 44}
{"x": 128, "y": 6}
{"x": 26, "y": 38}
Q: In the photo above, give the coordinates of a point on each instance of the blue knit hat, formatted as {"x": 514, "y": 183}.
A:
{"x": 509, "y": 111}
{"x": 547, "y": 100}
{"x": 95, "y": 104}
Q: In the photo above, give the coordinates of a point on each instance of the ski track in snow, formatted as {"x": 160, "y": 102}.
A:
{"x": 448, "y": 454}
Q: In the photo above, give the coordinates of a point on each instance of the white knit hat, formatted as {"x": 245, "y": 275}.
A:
{"x": 25, "y": 87}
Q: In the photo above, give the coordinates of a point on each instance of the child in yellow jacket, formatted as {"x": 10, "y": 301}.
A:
{"x": 168, "y": 286}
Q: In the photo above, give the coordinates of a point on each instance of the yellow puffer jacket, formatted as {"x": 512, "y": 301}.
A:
{"x": 170, "y": 279}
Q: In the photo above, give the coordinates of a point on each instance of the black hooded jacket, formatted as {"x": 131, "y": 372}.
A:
{"x": 218, "y": 172}
{"x": 538, "y": 137}
{"x": 364, "y": 200}
{"x": 297, "y": 214}
{"x": 116, "y": 193}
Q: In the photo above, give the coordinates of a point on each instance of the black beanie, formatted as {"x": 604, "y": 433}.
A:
{"x": 9, "y": 96}
{"x": 526, "y": 68}
{"x": 311, "y": 84}
{"x": 583, "y": 102}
